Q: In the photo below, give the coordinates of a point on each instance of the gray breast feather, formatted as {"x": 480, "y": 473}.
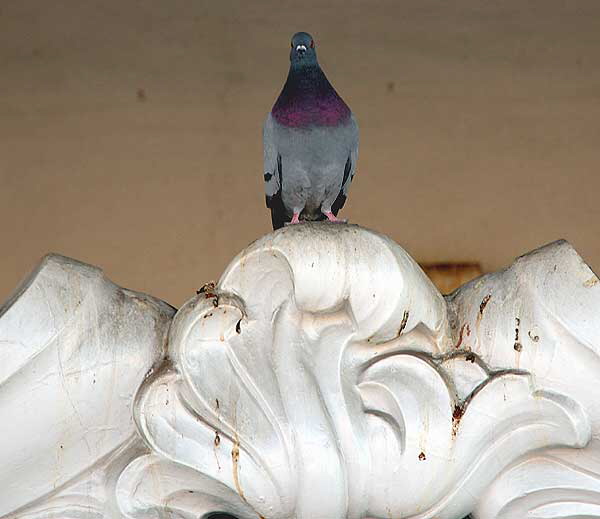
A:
{"x": 313, "y": 162}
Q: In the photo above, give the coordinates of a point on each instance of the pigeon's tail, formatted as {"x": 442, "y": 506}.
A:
{"x": 278, "y": 212}
{"x": 278, "y": 220}
{"x": 338, "y": 204}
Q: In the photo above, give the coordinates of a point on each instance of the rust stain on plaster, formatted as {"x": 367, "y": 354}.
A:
{"x": 235, "y": 458}
{"x": 457, "y": 414}
{"x": 460, "y": 336}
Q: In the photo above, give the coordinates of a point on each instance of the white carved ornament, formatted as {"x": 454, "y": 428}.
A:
{"x": 324, "y": 377}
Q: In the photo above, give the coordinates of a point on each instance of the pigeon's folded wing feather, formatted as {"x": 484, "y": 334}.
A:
{"x": 352, "y": 159}
{"x": 272, "y": 174}
{"x": 349, "y": 171}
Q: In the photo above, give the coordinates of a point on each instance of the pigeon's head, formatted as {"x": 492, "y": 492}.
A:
{"x": 303, "y": 49}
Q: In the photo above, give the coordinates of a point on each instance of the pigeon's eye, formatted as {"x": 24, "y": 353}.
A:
{"x": 312, "y": 44}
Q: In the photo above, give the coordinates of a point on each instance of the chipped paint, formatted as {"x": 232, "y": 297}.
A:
{"x": 404, "y": 322}
{"x": 484, "y": 303}
{"x": 206, "y": 288}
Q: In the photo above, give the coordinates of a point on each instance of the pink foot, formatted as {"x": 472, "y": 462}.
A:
{"x": 332, "y": 218}
{"x": 295, "y": 218}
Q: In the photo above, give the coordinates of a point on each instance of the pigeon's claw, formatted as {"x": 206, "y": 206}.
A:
{"x": 295, "y": 218}
{"x": 332, "y": 218}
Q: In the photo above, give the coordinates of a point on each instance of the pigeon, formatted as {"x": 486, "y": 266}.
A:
{"x": 310, "y": 141}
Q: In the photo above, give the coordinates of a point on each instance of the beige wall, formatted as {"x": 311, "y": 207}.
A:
{"x": 480, "y": 127}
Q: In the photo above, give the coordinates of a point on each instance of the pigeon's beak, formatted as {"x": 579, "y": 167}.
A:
{"x": 300, "y": 50}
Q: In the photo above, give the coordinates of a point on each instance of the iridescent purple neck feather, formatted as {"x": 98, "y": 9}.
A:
{"x": 308, "y": 99}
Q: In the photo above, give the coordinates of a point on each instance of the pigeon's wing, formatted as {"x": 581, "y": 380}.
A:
{"x": 272, "y": 175}
{"x": 349, "y": 170}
